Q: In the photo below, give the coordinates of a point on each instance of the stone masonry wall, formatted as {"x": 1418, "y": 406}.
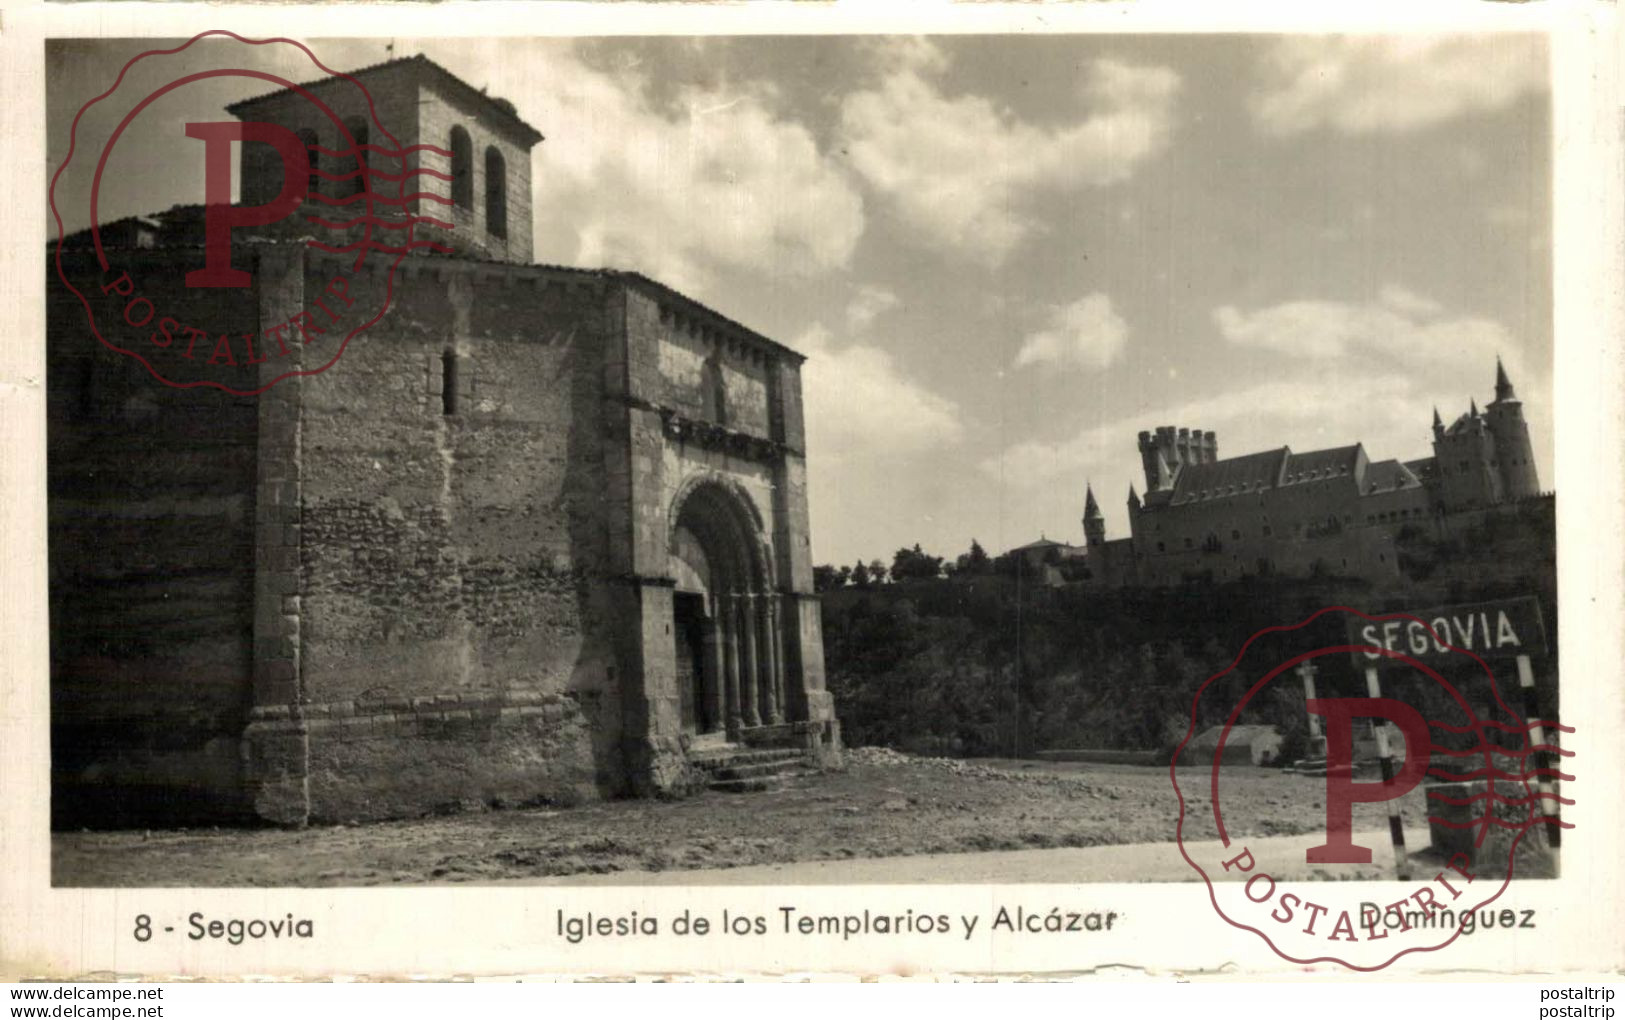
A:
{"x": 458, "y": 560}
{"x": 151, "y": 510}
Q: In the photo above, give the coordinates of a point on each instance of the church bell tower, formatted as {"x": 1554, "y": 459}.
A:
{"x": 472, "y": 178}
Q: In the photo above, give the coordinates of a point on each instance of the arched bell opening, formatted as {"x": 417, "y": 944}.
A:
{"x": 726, "y": 617}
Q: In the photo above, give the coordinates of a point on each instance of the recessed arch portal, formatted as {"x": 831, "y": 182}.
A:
{"x": 726, "y": 615}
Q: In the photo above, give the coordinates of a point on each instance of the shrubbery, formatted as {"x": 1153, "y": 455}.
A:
{"x": 992, "y": 664}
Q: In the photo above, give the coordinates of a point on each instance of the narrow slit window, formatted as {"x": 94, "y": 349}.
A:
{"x": 313, "y": 183}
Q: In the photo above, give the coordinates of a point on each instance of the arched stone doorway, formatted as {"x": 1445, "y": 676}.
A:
{"x": 727, "y": 623}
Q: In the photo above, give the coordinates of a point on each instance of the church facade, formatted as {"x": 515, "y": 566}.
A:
{"x": 540, "y": 535}
{"x": 1280, "y": 512}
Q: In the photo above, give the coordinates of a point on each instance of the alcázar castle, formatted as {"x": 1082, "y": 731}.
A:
{"x": 1277, "y": 512}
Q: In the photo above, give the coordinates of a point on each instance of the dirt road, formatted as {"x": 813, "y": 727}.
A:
{"x": 1280, "y": 857}
{"x": 881, "y": 806}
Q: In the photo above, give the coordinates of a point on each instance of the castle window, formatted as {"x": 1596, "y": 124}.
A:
{"x": 1267, "y": 531}
{"x": 1161, "y": 547}
{"x": 448, "y": 382}
{"x": 313, "y": 182}
{"x": 496, "y": 193}
{"x": 462, "y": 169}
{"x": 1188, "y": 543}
{"x": 713, "y": 395}
{"x": 357, "y": 128}
{"x": 1235, "y": 534}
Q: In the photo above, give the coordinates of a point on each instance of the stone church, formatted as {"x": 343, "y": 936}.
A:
{"x": 540, "y": 535}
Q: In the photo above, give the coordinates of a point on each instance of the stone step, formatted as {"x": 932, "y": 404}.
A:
{"x": 722, "y": 758}
{"x": 758, "y": 784}
{"x": 755, "y": 784}
{"x": 761, "y": 768}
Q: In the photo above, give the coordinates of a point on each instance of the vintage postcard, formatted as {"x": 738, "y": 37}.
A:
{"x": 620, "y": 490}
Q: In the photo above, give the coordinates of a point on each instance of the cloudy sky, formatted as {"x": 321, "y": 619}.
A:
{"x": 1005, "y": 256}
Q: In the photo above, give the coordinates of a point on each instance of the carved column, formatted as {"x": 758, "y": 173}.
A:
{"x": 748, "y": 668}
{"x": 728, "y": 621}
{"x": 771, "y": 709}
{"x": 715, "y": 709}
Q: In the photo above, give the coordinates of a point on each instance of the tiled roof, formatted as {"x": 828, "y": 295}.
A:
{"x": 502, "y": 110}
{"x": 1388, "y": 475}
{"x": 1423, "y": 468}
{"x": 1251, "y": 472}
{"x": 1043, "y": 543}
{"x": 1257, "y": 472}
{"x": 1321, "y": 464}
{"x": 1461, "y": 425}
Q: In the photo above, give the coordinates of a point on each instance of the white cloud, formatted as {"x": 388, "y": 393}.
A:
{"x": 958, "y": 168}
{"x": 710, "y": 179}
{"x": 869, "y": 304}
{"x": 1363, "y": 84}
{"x": 1341, "y": 372}
{"x": 1087, "y": 334}
{"x": 859, "y": 405}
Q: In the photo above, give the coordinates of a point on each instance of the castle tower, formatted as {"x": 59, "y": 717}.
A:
{"x": 1148, "y": 460}
{"x": 484, "y": 181}
{"x": 1514, "y": 454}
{"x": 1094, "y": 525}
{"x": 1156, "y": 456}
{"x": 1465, "y": 453}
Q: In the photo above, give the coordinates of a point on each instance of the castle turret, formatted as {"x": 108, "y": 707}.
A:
{"x": 1514, "y": 453}
{"x": 1094, "y": 525}
{"x": 1503, "y": 385}
{"x": 1438, "y": 424}
{"x": 1148, "y": 460}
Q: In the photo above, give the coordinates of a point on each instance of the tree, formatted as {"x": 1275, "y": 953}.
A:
{"x": 877, "y": 572}
{"x": 915, "y": 564}
{"x": 976, "y": 561}
{"x": 826, "y": 578}
{"x": 860, "y": 575}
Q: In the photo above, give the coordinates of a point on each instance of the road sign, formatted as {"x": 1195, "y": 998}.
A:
{"x": 1500, "y": 629}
